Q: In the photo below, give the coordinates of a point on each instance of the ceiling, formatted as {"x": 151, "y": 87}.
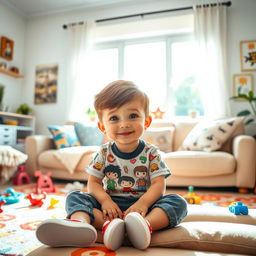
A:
{"x": 33, "y": 8}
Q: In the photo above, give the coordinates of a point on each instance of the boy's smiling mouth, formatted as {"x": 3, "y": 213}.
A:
{"x": 125, "y": 133}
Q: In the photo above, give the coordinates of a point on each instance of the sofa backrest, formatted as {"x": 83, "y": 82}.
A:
{"x": 182, "y": 128}
{"x": 239, "y": 130}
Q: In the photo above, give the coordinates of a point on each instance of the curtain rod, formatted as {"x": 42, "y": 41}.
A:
{"x": 229, "y": 3}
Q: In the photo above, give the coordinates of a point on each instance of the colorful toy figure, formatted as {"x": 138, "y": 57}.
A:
{"x": 1, "y": 204}
{"x": 191, "y": 197}
{"x": 44, "y": 183}
{"x": 36, "y": 199}
{"x": 238, "y": 208}
{"x": 21, "y": 177}
{"x": 53, "y": 202}
{"x": 10, "y": 196}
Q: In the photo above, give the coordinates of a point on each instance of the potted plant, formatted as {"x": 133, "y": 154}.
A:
{"x": 251, "y": 115}
{"x": 24, "y": 109}
{"x": 91, "y": 113}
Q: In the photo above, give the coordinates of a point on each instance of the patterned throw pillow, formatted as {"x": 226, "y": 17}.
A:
{"x": 88, "y": 135}
{"x": 161, "y": 137}
{"x": 64, "y": 136}
{"x": 210, "y": 136}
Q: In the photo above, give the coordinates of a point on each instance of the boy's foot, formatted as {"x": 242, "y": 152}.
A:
{"x": 113, "y": 233}
{"x": 138, "y": 230}
{"x": 57, "y": 233}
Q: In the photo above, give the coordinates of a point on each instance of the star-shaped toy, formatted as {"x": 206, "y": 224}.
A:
{"x": 158, "y": 114}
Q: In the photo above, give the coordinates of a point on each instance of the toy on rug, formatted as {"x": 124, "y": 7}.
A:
{"x": 191, "y": 197}
{"x": 21, "y": 177}
{"x": 2, "y": 202}
{"x": 53, "y": 202}
{"x": 10, "y": 196}
{"x": 238, "y": 208}
{"x": 36, "y": 199}
{"x": 44, "y": 183}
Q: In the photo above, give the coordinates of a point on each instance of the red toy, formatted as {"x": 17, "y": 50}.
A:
{"x": 1, "y": 204}
{"x": 21, "y": 177}
{"x": 36, "y": 199}
{"x": 44, "y": 183}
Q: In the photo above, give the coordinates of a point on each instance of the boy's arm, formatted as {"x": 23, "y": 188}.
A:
{"x": 154, "y": 192}
{"x": 109, "y": 208}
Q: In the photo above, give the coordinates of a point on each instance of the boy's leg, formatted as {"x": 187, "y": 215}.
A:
{"x": 85, "y": 217}
{"x": 167, "y": 212}
{"x": 157, "y": 218}
{"x": 113, "y": 231}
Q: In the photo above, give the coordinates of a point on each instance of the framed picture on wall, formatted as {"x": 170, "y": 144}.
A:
{"x": 248, "y": 55}
{"x": 7, "y": 48}
{"x": 46, "y": 84}
{"x": 242, "y": 84}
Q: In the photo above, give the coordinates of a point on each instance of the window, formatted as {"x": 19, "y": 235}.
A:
{"x": 164, "y": 67}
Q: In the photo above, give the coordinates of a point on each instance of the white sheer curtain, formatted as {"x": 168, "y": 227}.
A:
{"x": 210, "y": 27}
{"x": 80, "y": 42}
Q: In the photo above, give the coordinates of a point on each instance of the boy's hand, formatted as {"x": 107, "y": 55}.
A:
{"x": 111, "y": 210}
{"x": 142, "y": 209}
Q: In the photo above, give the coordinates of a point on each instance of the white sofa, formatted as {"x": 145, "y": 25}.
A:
{"x": 234, "y": 165}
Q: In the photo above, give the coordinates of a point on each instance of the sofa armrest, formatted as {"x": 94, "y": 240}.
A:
{"x": 244, "y": 151}
{"x": 34, "y": 146}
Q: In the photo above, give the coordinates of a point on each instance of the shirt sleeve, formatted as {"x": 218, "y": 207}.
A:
{"x": 97, "y": 165}
{"x": 157, "y": 167}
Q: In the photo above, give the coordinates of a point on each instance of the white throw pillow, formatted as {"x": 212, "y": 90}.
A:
{"x": 210, "y": 136}
{"x": 161, "y": 137}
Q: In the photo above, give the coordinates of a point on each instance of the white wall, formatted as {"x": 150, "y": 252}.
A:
{"x": 241, "y": 26}
{"x": 13, "y": 26}
{"x": 45, "y": 43}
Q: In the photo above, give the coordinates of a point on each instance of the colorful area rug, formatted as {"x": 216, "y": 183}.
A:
{"x": 18, "y": 221}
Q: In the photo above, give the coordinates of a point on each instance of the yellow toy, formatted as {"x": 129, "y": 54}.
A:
{"x": 191, "y": 197}
{"x": 53, "y": 202}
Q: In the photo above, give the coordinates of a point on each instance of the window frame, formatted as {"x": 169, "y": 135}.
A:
{"x": 169, "y": 39}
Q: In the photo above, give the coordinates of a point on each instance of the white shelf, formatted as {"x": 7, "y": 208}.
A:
{"x": 12, "y": 135}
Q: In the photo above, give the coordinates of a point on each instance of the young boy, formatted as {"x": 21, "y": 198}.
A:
{"x": 126, "y": 181}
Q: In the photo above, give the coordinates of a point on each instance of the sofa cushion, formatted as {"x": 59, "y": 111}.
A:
{"x": 48, "y": 159}
{"x": 210, "y": 135}
{"x": 64, "y": 136}
{"x": 205, "y": 236}
{"x": 209, "y": 236}
{"x": 161, "y": 137}
{"x": 88, "y": 135}
{"x": 201, "y": 164}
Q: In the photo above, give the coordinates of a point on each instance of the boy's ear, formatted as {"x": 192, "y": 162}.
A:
{"x": 148, "y": 121}
{"x": 101, "y": 127}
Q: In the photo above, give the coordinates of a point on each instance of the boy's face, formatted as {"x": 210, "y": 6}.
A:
{"x": 125, "y": 125}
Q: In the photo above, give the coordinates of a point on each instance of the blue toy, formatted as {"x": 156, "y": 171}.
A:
{"x": 238, "y": 208}
{"x": 10, "y": 196}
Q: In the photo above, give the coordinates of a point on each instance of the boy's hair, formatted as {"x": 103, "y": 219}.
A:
{"x": 118, "y": 93}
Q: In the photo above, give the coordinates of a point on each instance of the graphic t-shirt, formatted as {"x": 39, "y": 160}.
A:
{"x": 127, "y": 174}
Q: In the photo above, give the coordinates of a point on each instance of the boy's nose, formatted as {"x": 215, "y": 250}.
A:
{"x": 125, "y": 124}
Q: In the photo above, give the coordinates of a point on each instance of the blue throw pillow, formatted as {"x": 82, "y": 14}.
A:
{"x": 64, "y": 136}
{"x": 88, "y": 135}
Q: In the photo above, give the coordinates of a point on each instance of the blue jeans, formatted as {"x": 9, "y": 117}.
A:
{"x": 174, "y": 205}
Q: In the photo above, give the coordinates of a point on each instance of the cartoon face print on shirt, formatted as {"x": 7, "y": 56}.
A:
{"x": 141, "y": 173}
{"x": 127, "y": 183}
{"x": 112, "y": 172}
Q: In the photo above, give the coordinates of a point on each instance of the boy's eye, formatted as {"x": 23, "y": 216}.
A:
{"x": 113, "y": 118}
{"x": 133, "y": 115}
